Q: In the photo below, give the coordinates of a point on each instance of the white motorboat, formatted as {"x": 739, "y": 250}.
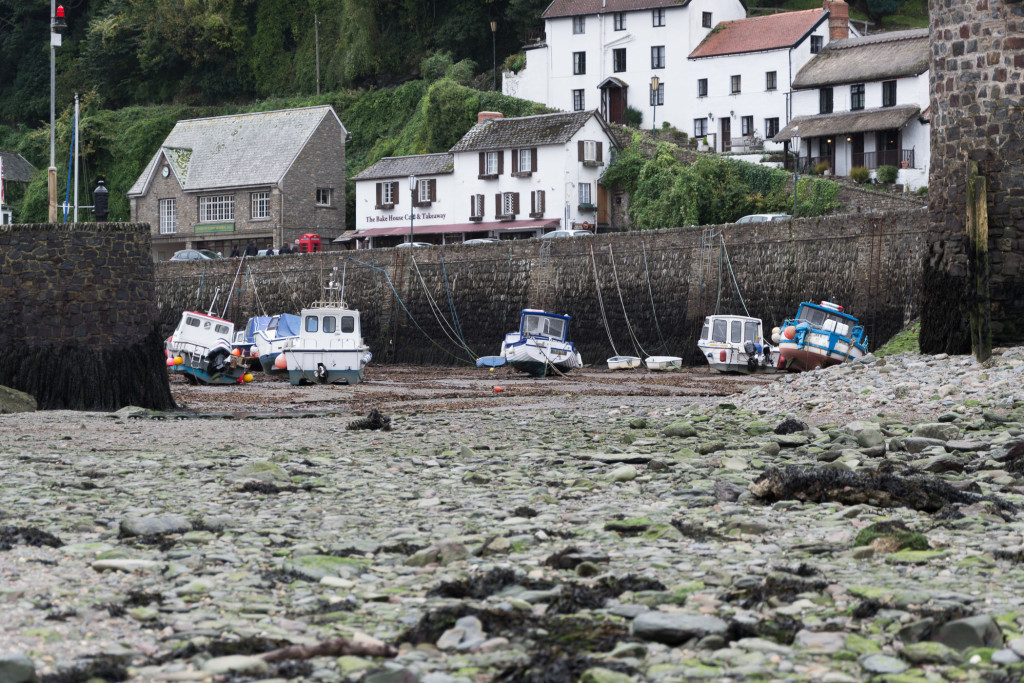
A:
{"x": 541, "y": 344}
{"x": 270, "y": 341}
{"x": 664, "y": 363}
{"x": 736, "y": 343}
{"x": 200, "y": 349}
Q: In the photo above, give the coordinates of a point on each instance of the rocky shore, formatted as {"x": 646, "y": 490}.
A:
{"x": 857, "y": 523}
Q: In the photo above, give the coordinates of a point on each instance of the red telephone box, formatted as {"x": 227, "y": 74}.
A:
{"x": 309, "y": 243}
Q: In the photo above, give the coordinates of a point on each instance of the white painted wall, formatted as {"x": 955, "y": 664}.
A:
{"x": 559, "y": 173}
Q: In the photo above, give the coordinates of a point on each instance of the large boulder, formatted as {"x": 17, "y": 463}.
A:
{"x": 14, "y": 401}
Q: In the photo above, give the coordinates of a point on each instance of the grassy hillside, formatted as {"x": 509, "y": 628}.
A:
{"x": 911, "y": 13}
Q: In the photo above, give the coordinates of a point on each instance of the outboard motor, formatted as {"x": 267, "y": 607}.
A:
{"x": 751, "y": 350}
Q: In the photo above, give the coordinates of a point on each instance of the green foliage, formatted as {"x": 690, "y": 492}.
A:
{"x": 514, "y": 63}
{"x": 821, "y": 167}
{"x": 921, "y": 191}
{"x": 876, "y": 9}
{"x": 887, "y": 174}
{"x": 905, "y": 341}
{"x": 624, "y": 172}
{"x": 435, "y": 65}
{"x": 860, "y": 174}
{"x": 634, "y": 117}
{"x": 451, "y": 111}
{"x": 816, "y": 197}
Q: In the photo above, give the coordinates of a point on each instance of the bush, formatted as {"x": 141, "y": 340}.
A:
{"x": 821, "y": 167}
{"x": 887, "y": 174}
{"x": 435, "y": 65}
{"x": 514, "y": 63}
{"x": 634, "y": 117}
{"x": 860, "y": 174}
{"x": 922, "y": 191}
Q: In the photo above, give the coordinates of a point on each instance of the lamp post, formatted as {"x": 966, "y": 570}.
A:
{"x": 57, "y": 25}
{"x": 412, "y": 205}
{"x": 494, "y": 52}
{"x": 655, "y": 83}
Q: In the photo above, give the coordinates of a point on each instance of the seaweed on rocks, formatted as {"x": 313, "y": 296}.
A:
{"x": 373, "y": 420}
{"x": 790, "y": 426}
{"x": 26, "y": 535}
{"x": 866, "y": 609}
{"x": 571, "y": 557}
{"x": 98, "y": 668}
{"x": 476, "y": 587}
{"x": 780, "y": 629}
{"x": 879, "y": 488}
{"x": 695, "y": 531}
{"x": 783, "y": 587}
{"x": 550, "y": 665}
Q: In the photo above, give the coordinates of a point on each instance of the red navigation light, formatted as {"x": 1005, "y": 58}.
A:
{"x": 60, "y": 11}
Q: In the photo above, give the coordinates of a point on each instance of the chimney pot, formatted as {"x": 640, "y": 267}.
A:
{"x": 838, "y": 19}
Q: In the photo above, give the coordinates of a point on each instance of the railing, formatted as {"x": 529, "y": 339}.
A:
{"x": 534, "y": 36}
{"x": 747, "y": 143}
{"x": 885, "y": 157}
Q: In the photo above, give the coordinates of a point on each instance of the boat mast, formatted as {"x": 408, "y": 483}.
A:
{"x": 76, "y": 156}
{"x": 214, "y": 302}
{"x": 224, "y": 314}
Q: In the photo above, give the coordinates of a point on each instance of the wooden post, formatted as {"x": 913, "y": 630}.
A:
{"x": 978, "y": 298}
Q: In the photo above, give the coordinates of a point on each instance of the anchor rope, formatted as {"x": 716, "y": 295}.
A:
{"x": 600, "y": 302}
{"x": 663, "y": 345}
{"x": 636, "y": 342}
{"x": 438, "y": 315}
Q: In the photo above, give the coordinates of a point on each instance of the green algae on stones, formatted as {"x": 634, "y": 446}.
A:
{"x": 901, "y": 537}
{"x": 316, "y": 567}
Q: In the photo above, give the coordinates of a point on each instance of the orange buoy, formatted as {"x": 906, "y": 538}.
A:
{"x": 281, "y": 363}
{"x": 789, "y": 332}
{"x": 498, "y": 390}
{"x": 236, "y": 352}
{"x": 178, "y": 360}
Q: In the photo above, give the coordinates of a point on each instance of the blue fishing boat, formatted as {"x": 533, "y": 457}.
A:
{"x": 819, "y": 336}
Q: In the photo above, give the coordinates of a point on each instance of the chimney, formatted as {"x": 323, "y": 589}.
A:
{"x": 485, "y": 115}
{"x": 838, "y": 19}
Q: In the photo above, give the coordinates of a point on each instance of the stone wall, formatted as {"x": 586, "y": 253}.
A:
{"x": 977, "y": 109}
{"x": 77, "y": 325}
{"x": 862, "y": 199}
{"x": 658, "y": 284}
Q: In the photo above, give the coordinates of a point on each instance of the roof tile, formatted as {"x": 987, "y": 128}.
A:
{"x": 400, "y": 167}
{"x": 871, "y": 58}
{"x": 756, "y": 34}
{"x": 523, "y": 131}
{"x": 570, "y": 8}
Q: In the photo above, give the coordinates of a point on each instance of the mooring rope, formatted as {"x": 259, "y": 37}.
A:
{"x": 728, "y": 262}
{"x": 438, "y": 316}
{"x": 600, "y": 303}
{"x": 636, "y": 342}
{"x": 663, "y": 345}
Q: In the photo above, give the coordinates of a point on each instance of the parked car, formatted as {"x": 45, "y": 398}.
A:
{"x": 413, "y": 244}
{"x": 482, "y": 240}
{"x": 267, "y": 252}
{"x": 764, "y": 217}
{"x": 566, "y": 233}
{"x": 194, "y": 255}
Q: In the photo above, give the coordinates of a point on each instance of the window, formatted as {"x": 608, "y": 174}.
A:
{"x": 476, "y": 207}
{"x": 771, "y": 80}
{"x": 323, "y": 196}
{"x": 579, "y": 63}
{"x": 524, "y": 161}
{"x": 702, "y": 87}
{"x": 491, "y": 164}
{"x": 168, "y": 216}
{"x": 658, "y": 57}
{"x": 330, "y": 324}
{"x": 750, "y": 332}
{"x": 771, "y": 127}
{"x": 857, "y": 96}
{"x": 736, "y": 332}
{"x": 312, "y": 323}
{"x": 348, "y": 324}
{"x": 579, "y": 25}
{"x": 658, "y": 17}
{"x": 578, "y": 100}
{"x": 815, "y": 44}
{"x": 508, "y": 204}
{"x": 620, "y": 21}
{"x": 619, "y": 59}
{"x": 387, "y": 195}
{"x": 825, "y": 101}
{"x": 589, "y": 151}
{"x": 719, "y": 331}
{"x": 658, "y": 97}
{"x": 747, "y": 125}
{"x": 537, "y": 204}
{"x": 734, "y": 84}
{"x": 585, "y": 194}
{"x": 219, "y": 207}
{"x": 220, "y": 329}
{"x": 260, "y": 204}
{"x": 426, "y": 192}
{"x": 888, "y": 93}
{"x": 700, "y": 128}
{"x": 705, "y": 19}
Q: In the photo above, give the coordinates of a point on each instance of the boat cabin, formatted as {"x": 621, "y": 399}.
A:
{"x": 336, "y": 328}
{"x": 731, "y": 329}
{"x": 203, "y": 330}
{"x": 534, "y": 323}
{"x": 829, "y": 317}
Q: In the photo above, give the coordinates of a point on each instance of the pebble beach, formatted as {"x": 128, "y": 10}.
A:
{"x": 858, "y": 523}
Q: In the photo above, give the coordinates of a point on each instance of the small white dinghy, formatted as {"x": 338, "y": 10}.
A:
{"x": 623, "y": 362}
{"x": 663, "y": 363}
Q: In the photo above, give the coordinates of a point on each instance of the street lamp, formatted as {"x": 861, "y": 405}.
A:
{"x": 57, "y": 24}
{"x": 494, "y": 52}
{"x": 655, "y": 82}
{"x": 412, "y": 205}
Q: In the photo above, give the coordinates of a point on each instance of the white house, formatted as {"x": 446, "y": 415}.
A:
{"x": 738, "y": 80}
{"x": 604, "y": 53}
{"x": 506, "y": 178}
{"x": 864, "y": 102}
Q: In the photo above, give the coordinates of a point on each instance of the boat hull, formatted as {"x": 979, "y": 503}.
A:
{"x": 326, "y": 366}
{"x": 268, "y": 350}
{"x": 623, "y": 362}
{"x": 538, "y": 357}
{"x": 810, "y": 355}
{"x": 664, "y": 363}
{"x": 198, "y": 368}
{"x": 736, "y": 360}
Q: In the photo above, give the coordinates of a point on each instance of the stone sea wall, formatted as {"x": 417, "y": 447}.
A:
{"x": 653, "y": 288}
{"x": 977, "y": 109}
{"x": 78, "y": 320}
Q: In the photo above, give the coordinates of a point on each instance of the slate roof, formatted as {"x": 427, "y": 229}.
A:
{"x": 571, "y": 8}
{"x": 872, "y": 58}
{"x": 401, "y": 167}
{"x": 235, "y": 151}
{"x": 862, "y": 121}
{"x": 16, "y": 167}
{"x": 524, "y": 131}
{"x": 757, "y": 34}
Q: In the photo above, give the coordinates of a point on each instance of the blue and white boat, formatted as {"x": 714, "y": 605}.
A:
{"x": 270, "y": 339}
{"x": 541, "y": 344}
{"x": 200, "y": 349}
{"x": 819, "y": 336}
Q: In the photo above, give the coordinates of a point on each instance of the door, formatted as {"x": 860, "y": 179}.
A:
{"x": 613, "y": 102}
{"x": 857, "y": 150}
{"x": 726, "y": 134}
{"x": 603, "y": 206}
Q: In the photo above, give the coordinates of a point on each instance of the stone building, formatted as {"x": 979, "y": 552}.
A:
{"x": 269, "y": 177}
{"x": 977, "y": 108}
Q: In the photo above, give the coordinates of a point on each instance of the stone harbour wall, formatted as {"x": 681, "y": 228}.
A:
{"x": 977, "y": 109}
{"x": 78, "y": 321}
{"x": 455, "y": 303}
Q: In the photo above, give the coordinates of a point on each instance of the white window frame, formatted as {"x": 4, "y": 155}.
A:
{"x": 579, "y": 25}
{"x": 657, "y": 56}
{"x": 259, "y": 205}
{"x": 658, "y": 17}
{"x": 387, "y": 193}
{"x": 746, "y": 125}
{"x": 585, "y": 194}
{"x": 323, "y": 196}
{"x": 478, "y": 206}
{"x": 423, "y": 191}
{"x": 589, "y": 150}
{"x": 526, "y": 160}
{"x": 168, "y": 216}
{"x": 579, "y": 100}
{"x": 700, "y": 127}
{"x": 217, "y": 207}
{"x": 490, "y": 163}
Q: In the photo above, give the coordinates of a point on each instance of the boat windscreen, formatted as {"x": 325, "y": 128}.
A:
{"x": 720, "y": 332}
{"x": 736, "y": 332}
{"x": 814, "y": 316}
{"x": 706, "y": 330}
{"x": 544, "y": 326}
{"x": 750, "y": 332}
{"x": 348, "y": 324}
